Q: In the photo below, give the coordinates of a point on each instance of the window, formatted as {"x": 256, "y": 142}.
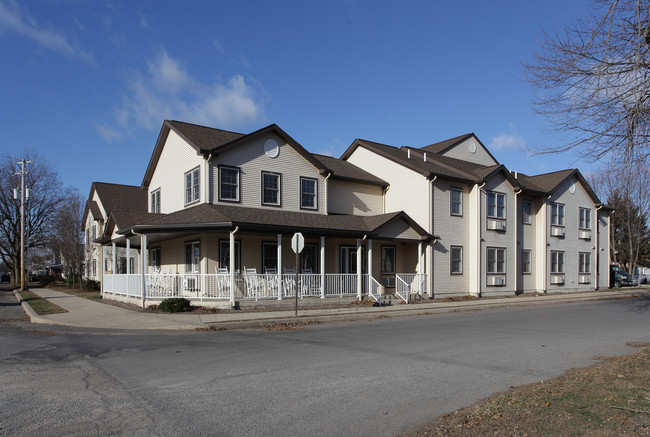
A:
{"x": 309, "y": 257}
{"x": 308, "y": 193}
{"x": 270, "y": 189}
{"x": 526, "y": 208}
{"x": 224, "y": 255}
{"x": 388, "y": 260}
{"x": 456, "y": 201}
{"x": 93, "y": 233}
{"x": 191, "y": 186}
{"x": 348, "y": 259}
{"x": 585, "y": 218}
{"x": 557, "y": 261}
{"x": 557, "y": 214}
{"x": 269, "y": 256}
{"x": 456, "y": 260}
{"x": 229, "y": 184}
{"x": 94, "y": 266}
{"x": 526, "y": 262}
{"x": 584, "y": 263}
{"x": 193, "y": 257}
{"x": 155, "y": 201}
{"x": 154, "y": 260}
{"x": 496, "y": 260}
{"x": 496, "y": 205}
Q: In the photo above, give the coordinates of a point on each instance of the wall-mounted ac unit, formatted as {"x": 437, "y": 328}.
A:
{"x": 496, "y": 281}
{"x": 496, "y": 225}
{"x": 557, "y": 279}
{"x": 557, "y": 231}
{"x": 584, "y": 234}
{"x": 388, "y": 281}
{"x": 584, "y": 279}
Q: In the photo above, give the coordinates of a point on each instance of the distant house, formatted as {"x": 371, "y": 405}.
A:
{"x": 217, "y": 211}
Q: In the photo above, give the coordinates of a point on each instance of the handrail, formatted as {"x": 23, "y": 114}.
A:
{"x": 402, "y": 289}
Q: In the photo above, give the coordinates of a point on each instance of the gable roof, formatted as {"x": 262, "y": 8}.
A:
{"x": 347, "y": 171}
{"x": 443, "y": 146}
{"x": 548, "y": 182}
{"x": 113, "y": 197}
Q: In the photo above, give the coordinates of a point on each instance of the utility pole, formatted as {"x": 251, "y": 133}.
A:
{"x": 23, "y": 172}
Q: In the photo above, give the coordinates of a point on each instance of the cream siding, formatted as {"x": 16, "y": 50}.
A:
{"x": 408, "y": 190}
{"x": 397, "y": 230}
{"x": 354, "y": 198}
{"x": 176, "y": 159}
{"x": 252, "y": 161}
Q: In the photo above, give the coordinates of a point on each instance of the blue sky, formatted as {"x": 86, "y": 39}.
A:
{"x": 87, "y": 84}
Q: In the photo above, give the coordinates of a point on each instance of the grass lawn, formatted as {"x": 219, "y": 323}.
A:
{"x": 607, "y": 399}
{"x": 42, "y": 306}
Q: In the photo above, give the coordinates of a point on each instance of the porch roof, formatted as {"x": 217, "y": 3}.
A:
{"x": 207, "y": 217}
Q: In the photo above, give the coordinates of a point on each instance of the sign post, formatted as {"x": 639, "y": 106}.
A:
{"x": 297, "y": 244}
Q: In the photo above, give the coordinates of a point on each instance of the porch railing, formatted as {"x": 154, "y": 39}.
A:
{"x": 407, "y": 283}
{"x": 247, "y": 286}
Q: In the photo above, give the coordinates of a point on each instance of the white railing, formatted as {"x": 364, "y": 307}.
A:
{"x": 247, "y": 286}
{"x": 417, "y": 282}
{"x": 402, "y": 288}
{"x": 374, "y": 288}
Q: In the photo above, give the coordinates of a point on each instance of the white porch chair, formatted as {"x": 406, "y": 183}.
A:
{"x": 223, "y": 281}
{"x": 252, "y": 281}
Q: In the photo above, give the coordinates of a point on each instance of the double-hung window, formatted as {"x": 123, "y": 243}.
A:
{"x": 270, "y": 188}
{"x": 585, "y": 218}
{"x": 496, "y": 204}
{"x": 557, "y": 214}
{"x": 229, "y": 184}
{"x": 526, "y": 208}
{"x": 526, "y": 262}
{"x": 155, "y": 201}
{"x": 192, "y": 186}
{"x": 456, "y": 201}
{"x": 308, "y": 193}
{"x": 557, "y": 262}
{"x": 496, "y": 260}
{"x": 584, "y": 263}
{"x": 193, "y": 257}
{"x": 154, "y": 258}
{"x": 456, "y": 260}
{"x": 269, "y": 255}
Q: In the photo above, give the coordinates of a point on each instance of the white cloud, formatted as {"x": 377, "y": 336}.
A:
{"x": 166, "y": 90}
{"x": 12, "y": 19}
{"x": 506, "y": 142}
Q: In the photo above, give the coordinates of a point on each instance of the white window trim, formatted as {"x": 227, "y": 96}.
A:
{"x": 453, "y": 190}
{"x": 530, "y": 262}
{"x": 496, "y": 263}
{"x": 555, "y": 218}
{"x": 557, "y": 254}
{"x": 193, "y": 191}
{"x": 587, "y": 212}
{"x": 238, "y": 185}
{"x": 279, "y": 189}
{"x": 315, "y": 181}
{"x": 155, "y": 201}
{"x": 496, "y": 205}
{"x": 586, "y": 255}
{"x": 530, "y": 212}
{"x": 451, "y": 260}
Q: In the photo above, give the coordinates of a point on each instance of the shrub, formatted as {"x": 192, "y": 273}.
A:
{"x": 46, "y": 280}
{"x": 90, "y": 285}
{"x": 175, "y": 305}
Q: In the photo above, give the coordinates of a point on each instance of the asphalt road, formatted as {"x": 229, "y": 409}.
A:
{"x": 371, "y": 378}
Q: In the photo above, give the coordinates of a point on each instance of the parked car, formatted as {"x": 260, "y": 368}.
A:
{"x": 619, "y": 277}
{"x": 5, "y": 278}
{"x": 642, "y": 275}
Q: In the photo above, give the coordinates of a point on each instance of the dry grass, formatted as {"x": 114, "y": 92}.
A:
{"x": 607, "y": 399}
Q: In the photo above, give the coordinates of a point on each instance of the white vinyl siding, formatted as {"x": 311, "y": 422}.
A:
{"x": 462, "y": 151}
{"x": 355, "y": 198}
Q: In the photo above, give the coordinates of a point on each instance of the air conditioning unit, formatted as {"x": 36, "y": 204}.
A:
{"x": 584, "y": 279}
{"x": 557, "y": 231}
{"x": 388, "y": 281}
{"x": 496, "y": 225}
{"x": 496, "y": 281}
{"x": 557, "y": 279}
{"x": 585, "y": 235}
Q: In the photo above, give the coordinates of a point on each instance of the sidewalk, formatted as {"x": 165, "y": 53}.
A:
{"x": 85, "y": 313}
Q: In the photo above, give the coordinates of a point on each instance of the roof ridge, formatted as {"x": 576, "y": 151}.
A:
{"x": 205, "y": 127}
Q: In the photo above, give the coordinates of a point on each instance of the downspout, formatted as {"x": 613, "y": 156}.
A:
{"x": 383, "y": 195}
{"x": 597, "y": 248}
{"x": 480, "y": 242}
{"x": 327, "y": 207}
{"x": 431, "y": 280}
{"x": 206, "y": 181}
{"x": 517, "y": 257}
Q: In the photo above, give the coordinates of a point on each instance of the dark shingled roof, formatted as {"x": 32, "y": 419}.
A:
{"x": 113, "y": 197}
{"x": 205, "y": 138}
{"x": 345, "y": 170}
{"x": 207, "y": 216}
{"x": 446, "y": 144}
{"x": 547, "y": 181}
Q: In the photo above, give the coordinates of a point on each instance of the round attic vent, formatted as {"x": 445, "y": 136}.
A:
{"x": 472, "y": 146}
{"x": 271, "y": 148}
{"x": 572, "y": 188}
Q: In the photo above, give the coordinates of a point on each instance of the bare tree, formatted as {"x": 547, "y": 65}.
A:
{"x": 627, "y": 190}
{"x": 593, "y": 81}
{"x": 68, "y": 235}
{"x": 40, "y": 209}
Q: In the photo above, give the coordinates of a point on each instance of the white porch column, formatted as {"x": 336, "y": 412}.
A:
{"x": 369, "y": 263}
{"x": 322, "y": 267}
{"x": 100, "y": 271}
{"x": 279, "y": 266}
{"x": 359, "y": 264}
{"x": 128, "y": 264}
{"x": 143, "y": 267}
{"x": 114, "y": 259}
{"x": 231, "y": 268}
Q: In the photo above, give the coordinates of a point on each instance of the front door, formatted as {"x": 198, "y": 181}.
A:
{"x": 348, "y": 259}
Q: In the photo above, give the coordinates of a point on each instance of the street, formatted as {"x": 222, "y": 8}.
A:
{"x": 371, "y": 378}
